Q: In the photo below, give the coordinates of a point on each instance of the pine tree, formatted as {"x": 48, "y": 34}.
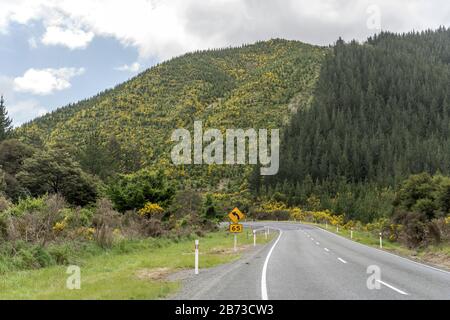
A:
{"x": 5, "y": 121}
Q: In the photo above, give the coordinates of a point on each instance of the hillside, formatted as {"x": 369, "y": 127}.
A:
{"x": 380, "y": 113}
{"x": 257, "y": 86}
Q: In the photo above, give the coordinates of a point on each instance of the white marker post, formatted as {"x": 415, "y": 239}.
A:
{"x": 268, "y": 231}
{"x": 351, "y": 233}
{"x": 196, "y": 256}
{"x": 381, "y": 240}
{"x": 265, "y": 232}
{"x": 235, "y": 242}
{"x": 254, "y": 238}
{"x": 326, "y": 224}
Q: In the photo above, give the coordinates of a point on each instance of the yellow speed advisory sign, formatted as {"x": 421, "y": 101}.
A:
{"x": 236, "y": 228}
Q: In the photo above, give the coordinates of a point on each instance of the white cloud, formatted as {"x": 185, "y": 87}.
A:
{"x": 46, "y": 81}
{"x": 164, "y": 28}
{"x": 134, "y": 67}
{"x": 71, "y": 38}
{"x": 20, "y": 110}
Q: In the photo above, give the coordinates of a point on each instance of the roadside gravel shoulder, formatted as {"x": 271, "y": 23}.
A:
{"x": 194, "y": 287}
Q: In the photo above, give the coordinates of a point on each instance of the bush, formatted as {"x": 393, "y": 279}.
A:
{"x": 79, "y": 217}
{"x": 105, "y": 221}
{"x": 27, "y": 205}
{"x": 151, "y": 210}
{"x": 34, "y": 220}
{"x": 414, "y": 228}
{"x": 422, "y": 193}
{"x": 134, "y": 191}
{"x": 5, "y": 204}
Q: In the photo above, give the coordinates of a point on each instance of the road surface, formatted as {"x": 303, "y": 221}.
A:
{"x": 305, "y": 262}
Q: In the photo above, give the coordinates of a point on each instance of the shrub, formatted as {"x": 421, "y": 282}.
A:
{"x": 444, "y": 227}
{"x": 414, "y": 228}
{"x": 105, "y": 220}
{"x": 79, "y": 217}
{"x": 152, "y": 228}
{"x": 297, "y": 214}
{"x": 151, "y": 210}
{"x": 60, "y": 253}
{"x": 5, "y": 204}
{"x": 27, "y": 205}
{"x": 33, "y": 220}
{"x": 133, "y": 191}
{"x": 85, "y": 233}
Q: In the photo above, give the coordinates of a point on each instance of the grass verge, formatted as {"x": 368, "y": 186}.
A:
{"x": 138, "y": 270}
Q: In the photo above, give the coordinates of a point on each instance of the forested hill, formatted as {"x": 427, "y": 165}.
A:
{"x": 256, "y": 86}
{"x": 381, "y": 111}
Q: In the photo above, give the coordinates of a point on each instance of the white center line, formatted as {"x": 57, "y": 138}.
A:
{"x": 342, "y": 260}
{"x": 393, "y": 288}
{"x": 326, "y": 249}
{"x": 318, "y": 243}
{"x": 312, "y": 239}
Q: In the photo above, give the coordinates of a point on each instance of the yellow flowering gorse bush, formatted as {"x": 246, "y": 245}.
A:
{"x": 151, "y": 210}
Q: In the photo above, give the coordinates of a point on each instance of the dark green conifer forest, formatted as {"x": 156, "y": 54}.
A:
{"x": 380, "y": 112}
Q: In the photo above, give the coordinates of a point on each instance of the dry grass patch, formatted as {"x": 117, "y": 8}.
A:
{"x": 153, "y": 274}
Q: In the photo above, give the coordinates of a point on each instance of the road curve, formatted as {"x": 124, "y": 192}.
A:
{"x": 306, "y": 262}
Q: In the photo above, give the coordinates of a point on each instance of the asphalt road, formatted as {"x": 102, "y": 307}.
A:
{"x": 305, "y": 262}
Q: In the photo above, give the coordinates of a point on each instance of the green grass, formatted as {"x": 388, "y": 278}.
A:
{"x": 114, "y": 274}
{"x": 369, "y": 239}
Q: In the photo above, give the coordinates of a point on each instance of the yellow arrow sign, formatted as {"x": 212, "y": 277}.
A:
{"x": 235, "y": 215}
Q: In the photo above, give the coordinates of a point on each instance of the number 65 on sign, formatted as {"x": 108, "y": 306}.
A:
{"x": 236, "y": 228}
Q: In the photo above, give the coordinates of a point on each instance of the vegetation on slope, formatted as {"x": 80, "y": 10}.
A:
{"x": 254, "y": 86}
{"x": 381, "y": 112}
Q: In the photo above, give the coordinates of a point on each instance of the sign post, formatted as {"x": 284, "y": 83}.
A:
{"x": 196, "y": 256}
{"x": 235, "y": 216}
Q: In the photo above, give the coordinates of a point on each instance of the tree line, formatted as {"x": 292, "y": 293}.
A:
{"x": 380, "y": 113}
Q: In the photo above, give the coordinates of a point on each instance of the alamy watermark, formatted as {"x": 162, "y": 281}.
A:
{"x": 73, "y": 281}
{"x": 374, "y": 20}
{"x": 374, "y": 280}
{"x": 209, "y": 147}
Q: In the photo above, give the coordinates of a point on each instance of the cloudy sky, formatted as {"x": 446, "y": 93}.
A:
{"x": 54, "y": 52}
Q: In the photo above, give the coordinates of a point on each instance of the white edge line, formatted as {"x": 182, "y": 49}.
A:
{"x": 264, "y": 270}
{"x": 393, "y": 288}
{"x": 326, "y": 249}
{"x": 342, "y": 260}
{"x": 387, "y": 252}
